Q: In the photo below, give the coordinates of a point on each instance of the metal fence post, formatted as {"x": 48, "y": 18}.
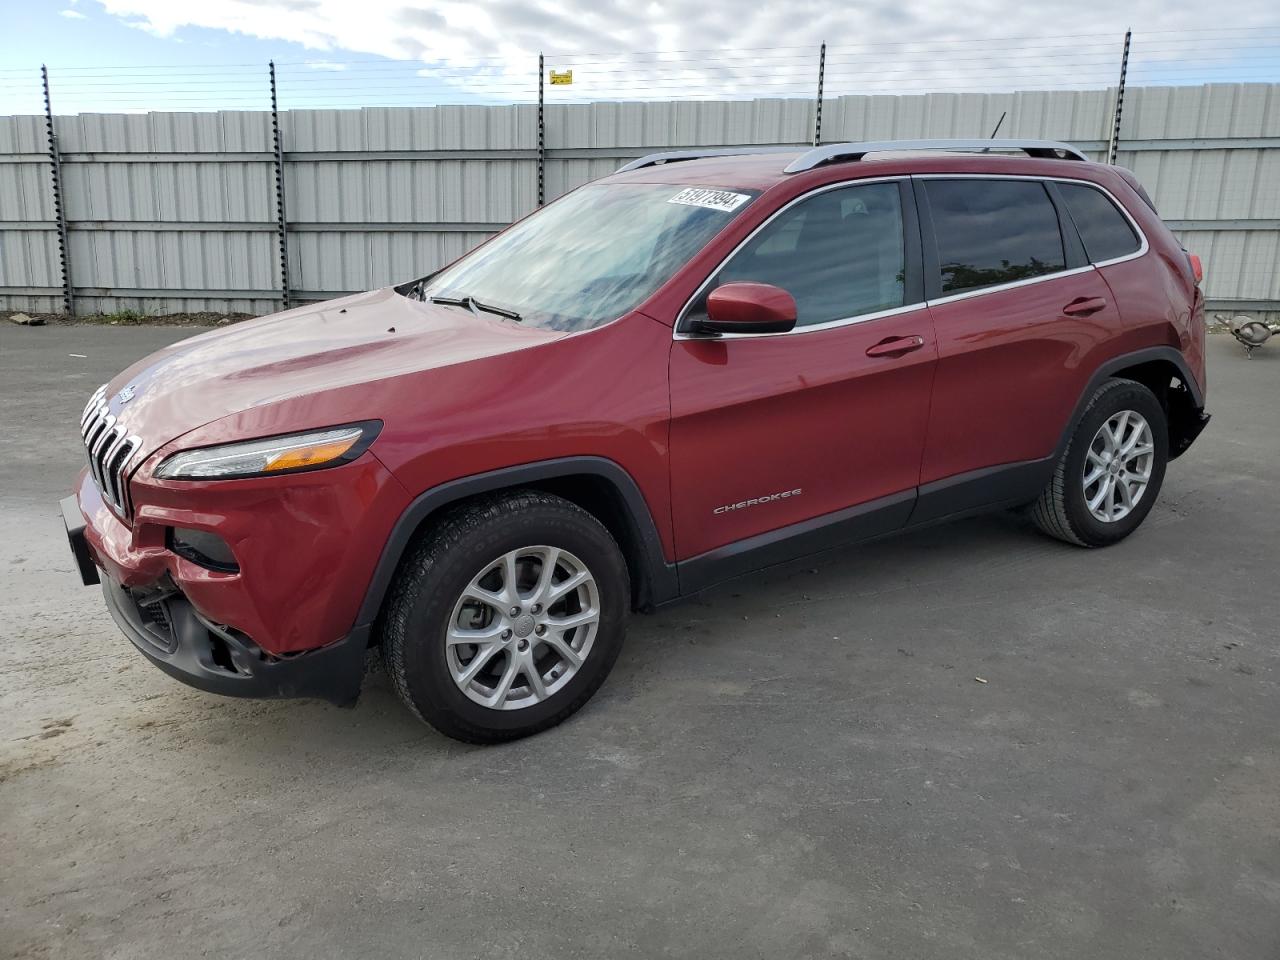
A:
{"x": 282, "y": 219}
{"x": 59, "y": 210}
{"x": 1113, "y": 145}
{"x": 542, "y": 135}
{"x": 817, "y": 119}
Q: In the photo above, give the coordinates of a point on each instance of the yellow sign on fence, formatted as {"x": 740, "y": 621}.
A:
{"x": 561, "y": 76}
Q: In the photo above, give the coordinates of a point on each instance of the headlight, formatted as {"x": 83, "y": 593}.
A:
{"x": 288, "y": 454}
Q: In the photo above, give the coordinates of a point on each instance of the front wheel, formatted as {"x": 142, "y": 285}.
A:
{"x": 1107, "y": 479}
{"x": 507, "y": 617}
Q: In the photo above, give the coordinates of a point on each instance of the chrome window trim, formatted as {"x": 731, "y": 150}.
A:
{"x": 1011, "y": 285}
{"x": 678, "y": 334}
{"x": 1143, "y": 248}
{"x": 812, "y": 327}
{"x": 1143, "y": 245}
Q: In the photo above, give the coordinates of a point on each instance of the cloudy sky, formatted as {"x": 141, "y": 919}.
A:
{"x": 200, "y": 54}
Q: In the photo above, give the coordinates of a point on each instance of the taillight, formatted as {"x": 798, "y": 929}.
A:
{"x": 1197, "y": 268}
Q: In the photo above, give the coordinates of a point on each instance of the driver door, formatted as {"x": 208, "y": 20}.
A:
{"x": 783, "y": 444}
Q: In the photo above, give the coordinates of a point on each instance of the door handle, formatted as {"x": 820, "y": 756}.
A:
{"x": 895, "y": 346}
{"x": 1084, "y": 306}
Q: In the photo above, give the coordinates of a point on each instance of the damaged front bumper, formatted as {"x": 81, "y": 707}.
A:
{"x": 166, "y": 628}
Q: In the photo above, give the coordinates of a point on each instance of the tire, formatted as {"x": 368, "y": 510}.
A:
{"x": 436, "y": 598}
{"x": 1063, "y": 509}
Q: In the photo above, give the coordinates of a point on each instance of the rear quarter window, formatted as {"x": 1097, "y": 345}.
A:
{"x": 1105, "y": 231}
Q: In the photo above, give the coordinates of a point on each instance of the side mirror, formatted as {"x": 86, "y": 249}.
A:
{"x": 748, "y": 308}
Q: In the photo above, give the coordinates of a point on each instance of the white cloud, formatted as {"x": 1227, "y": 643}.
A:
{"x": 725, "y": 46}
{"x": 72, "y": 14}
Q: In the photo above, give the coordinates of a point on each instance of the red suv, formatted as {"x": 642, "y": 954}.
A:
{"x": 705, "y": 364}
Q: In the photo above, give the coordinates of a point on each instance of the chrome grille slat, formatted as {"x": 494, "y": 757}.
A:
{"x": 91, "y": 406}
{"x": 109, "y": 480}
{"x": 110, "y": 450}
{"x": 131, "y": 446}
{"x": 95, "y": 451}
{"x": 95, "y": 424}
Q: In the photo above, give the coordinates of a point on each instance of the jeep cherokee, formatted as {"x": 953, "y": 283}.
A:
{"x": 704, "y": 364}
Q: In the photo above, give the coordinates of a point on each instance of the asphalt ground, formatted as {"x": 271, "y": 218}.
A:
{"x": 802, "y": 763}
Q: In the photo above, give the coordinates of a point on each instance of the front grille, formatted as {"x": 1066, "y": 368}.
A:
{"x": 110, "y": 451}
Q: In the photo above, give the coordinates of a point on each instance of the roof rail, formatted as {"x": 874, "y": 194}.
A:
{"x": 838, "y": 152}
{"x": 674, "y": 156}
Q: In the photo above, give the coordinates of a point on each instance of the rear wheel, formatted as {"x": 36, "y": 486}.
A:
{"x": 1109, "y": 476}
{"x": 507, "y": 617}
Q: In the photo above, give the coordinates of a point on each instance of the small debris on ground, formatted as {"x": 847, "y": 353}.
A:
{"x": 125, "y": 318}
{"x": 980, "y": 680}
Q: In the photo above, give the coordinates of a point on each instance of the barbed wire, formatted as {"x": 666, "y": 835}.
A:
{"x": 984, "y": 65}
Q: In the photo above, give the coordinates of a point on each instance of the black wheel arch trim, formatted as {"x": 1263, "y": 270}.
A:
{"x": 1110, "y": 368}
{"x": 660, "y": 580}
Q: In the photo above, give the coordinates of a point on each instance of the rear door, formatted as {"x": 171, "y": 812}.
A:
{"x": 1020, "y": 315}
{"x": 770, "y": 431}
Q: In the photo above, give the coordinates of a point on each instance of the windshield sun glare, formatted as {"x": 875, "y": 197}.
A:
{"x": 591, "y": 256}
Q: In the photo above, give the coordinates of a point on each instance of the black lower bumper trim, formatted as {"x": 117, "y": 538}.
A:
{"x": 73, "y": 520}
{"x": 188, "y": 650}
{"x": 1189, "y": 429}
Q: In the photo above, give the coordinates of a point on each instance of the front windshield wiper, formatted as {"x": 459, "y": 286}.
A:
{"x": 475, "y": 306}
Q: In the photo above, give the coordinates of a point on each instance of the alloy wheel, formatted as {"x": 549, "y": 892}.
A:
{"x": 1117, "y": 466}
{"x": 523, "y": 627}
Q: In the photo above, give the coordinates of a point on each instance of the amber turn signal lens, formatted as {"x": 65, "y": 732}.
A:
{"x": 311, "y": 456}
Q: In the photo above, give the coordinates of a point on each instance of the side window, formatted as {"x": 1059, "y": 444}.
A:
{"x": 993, "y": 231}
{"x": 840, "y": 254}
{"x": 1104, "y": 229}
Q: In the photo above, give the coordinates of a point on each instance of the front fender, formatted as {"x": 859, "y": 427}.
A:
{"x": 660, "y": 575}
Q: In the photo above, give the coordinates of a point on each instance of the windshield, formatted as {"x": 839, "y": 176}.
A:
{"x": 591, "y": 256}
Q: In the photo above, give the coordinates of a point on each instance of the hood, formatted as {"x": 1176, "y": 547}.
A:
{"x": 340, "y": 343}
